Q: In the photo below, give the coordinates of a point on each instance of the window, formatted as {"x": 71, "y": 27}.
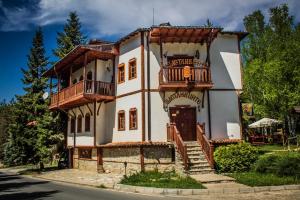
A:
{"x": 85, "y": 153}
{"x": 72, "y": 125}
{"x": 79, "y": 124}
{"x": 121, "y": 73}
{"x": 121, "y": 120}
{"x": 132, "y": 119}
{"x": 132, "y": 68}
{"x": 89, "y": 76}
{"x": 87, "y": 123}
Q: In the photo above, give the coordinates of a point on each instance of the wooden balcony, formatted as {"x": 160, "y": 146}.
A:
{"x": 175, "y": 78}
{"x": 82, "y": 92}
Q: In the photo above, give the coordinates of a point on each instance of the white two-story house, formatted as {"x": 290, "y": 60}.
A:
{"x": 142, "y": 102}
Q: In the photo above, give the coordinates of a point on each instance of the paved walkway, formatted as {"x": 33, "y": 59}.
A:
{"x": 83, "y": 177}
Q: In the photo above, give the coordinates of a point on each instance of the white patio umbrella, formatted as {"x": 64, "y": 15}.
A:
{"x": 264, "y": 122}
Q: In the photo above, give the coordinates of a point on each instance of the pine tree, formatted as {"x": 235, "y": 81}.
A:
{"x": 70, "y": 37}
{"x": 21, "y": 146}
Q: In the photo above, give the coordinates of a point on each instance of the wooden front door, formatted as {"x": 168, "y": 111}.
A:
{"x": 185, "y": 120}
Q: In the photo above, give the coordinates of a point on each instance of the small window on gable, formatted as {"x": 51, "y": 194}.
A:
{"x": 121, "y": 73}
{"x": 87, "y": 123}
{"x": 132, "y": 69}
{"x": 121, "y": 120}
{"x": 132, "y": 119}
{"x": 74, "y": 81}
{"x": 79, "y": 124}
{"x": 72, "y": 125}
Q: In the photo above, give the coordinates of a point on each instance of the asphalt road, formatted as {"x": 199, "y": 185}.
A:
{"x": 22, "y": 188}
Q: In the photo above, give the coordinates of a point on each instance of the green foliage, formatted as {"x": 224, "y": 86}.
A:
{"x": 271, "y": 73}
{"x": 30, "y": 134}
{"x": 161, "y": 180}
{"x": 235, "y": 157}
{"x": 70, "y": 37}
{"x": 266, "y": 179}
{"x": 280, "y": 164}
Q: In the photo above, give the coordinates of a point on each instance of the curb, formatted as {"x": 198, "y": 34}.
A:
{"x": 184, "y": 192}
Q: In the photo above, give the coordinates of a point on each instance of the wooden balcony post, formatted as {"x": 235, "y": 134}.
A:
{"x": 70, "y": 81}
{"x": 161, "y": 52}
{"x": 84, "y": 71}
{"x": 50, "y": 86}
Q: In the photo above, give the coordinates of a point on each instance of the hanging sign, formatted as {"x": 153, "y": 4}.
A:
{"x": 186, "y": 71}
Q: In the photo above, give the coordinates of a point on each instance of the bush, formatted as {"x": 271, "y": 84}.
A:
{"x": 235, "y": 157}
{"x": 283, "y": 164}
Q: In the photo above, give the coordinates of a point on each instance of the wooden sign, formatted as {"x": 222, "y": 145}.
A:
{"x": 186, "y": 71}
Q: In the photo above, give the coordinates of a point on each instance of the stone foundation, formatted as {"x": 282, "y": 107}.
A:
{"x": 119, "y": 159}
{"x": 85, "y": 164}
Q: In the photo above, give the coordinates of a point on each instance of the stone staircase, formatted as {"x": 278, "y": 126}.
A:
{"x": 196, "y": 159}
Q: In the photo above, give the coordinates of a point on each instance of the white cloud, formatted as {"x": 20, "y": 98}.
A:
{"x": 109, "y": 17}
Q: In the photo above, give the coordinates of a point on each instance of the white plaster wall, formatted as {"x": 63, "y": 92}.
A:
{"x": 160, "y": 117}
{"x": 225, "y": 119}
{"x": 83, "y": 138}
{"x": 125, "y": 103}
{"x": 225, "y": 62}
{"x": 104, "y": 70}
{"x": 129, "y": 50}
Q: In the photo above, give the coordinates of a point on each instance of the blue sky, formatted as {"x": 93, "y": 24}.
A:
{"x": 106, "y": 19}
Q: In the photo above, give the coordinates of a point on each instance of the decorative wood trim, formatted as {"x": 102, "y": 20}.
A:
{"x": 87, "y": 105}
{"x": 143, "y": 85}
{"x": 99, "y": 107}
{"x": 132, "y": 60}
{"x": 100, "y": 155}
{"x": 79, "y": 108}
{"x": 122, "y": 65}
{"x": 128, "y": 94}
{"x": 225, "y": 89}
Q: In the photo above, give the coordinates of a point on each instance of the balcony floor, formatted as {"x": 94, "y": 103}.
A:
{"x": 184, "y": 86}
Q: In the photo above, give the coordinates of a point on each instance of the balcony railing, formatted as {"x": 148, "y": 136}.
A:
{"x": 175, "y": 77}
{"x": 87, "y": 89}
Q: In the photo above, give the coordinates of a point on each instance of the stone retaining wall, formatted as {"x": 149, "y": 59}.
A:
{"x": 85, "y": 164}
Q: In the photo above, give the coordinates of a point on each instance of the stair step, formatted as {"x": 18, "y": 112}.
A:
{"x": 207, "y": 166}
{"x": 201, "y": 171}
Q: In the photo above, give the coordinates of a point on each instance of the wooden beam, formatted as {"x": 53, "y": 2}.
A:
{"x": 81, "y": 111}
{"x": 94, "y": 123}
{"x": 87, "y": 105}
{"x": 99, "y": 107}
{"x": 143, "y": 85}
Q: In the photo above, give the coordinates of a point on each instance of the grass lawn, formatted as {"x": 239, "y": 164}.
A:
{"x": 274, "y": 148}
{"x": 258, "y": 179}
{"x": 161, "y": 180}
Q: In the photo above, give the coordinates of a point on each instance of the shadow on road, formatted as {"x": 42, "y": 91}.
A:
{"x": 27, "y": 195}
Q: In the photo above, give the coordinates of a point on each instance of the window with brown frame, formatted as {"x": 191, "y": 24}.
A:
{"x": 79, "y": 124}
{"x": 87, "y": 124}
{"x": 85, "y": 153}
{"x": 132, "y": 69}
{"x": 121, "y": 120}
{"x": 121, "y": 73}
{"x": 72, "y": 125}
{"x": 132, "y": 119}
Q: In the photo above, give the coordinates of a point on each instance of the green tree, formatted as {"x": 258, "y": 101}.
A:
{"x": 272, "y": 72}
{"x": 6, "y": 117}
{"x": 70, "y": 37}
{"x": 23, "y": 134}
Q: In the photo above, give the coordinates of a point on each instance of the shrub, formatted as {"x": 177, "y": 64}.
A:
{"x": 235, "y": 157}
{"x": 281, "y": 164}
{"x": 266, "y": 163}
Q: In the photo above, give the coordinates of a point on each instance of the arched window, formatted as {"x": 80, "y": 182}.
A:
{"x": 89, "y": 76}
{"x": 87, "y": 123}
{"x": 74, "y": 81}
{"x": 79, "y": 124}
{"x": 81, "y": 78}
{"x": 72, "y": 125}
